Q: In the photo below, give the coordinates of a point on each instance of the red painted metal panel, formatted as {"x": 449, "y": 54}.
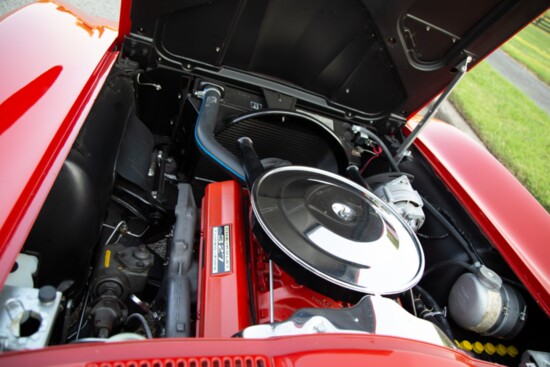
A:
{"x": 223, "y": 300}
{"x": 125, "y": 23}
{"x": 306, "y": 350}
{"x": 507, "y": 213}
{"x": 226, "y": 361}
{"x": 53, "y": 66}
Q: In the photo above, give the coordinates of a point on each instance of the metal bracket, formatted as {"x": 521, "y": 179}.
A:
{"x": 403, "y": 148}
{"x": 271, "y": 294}
{"x": 20, "y": 305}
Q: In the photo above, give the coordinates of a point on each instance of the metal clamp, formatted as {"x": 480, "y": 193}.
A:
{"x": 207, "y": 86}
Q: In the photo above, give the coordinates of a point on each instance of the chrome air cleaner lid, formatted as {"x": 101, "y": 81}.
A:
{"x": 337, "y": 230}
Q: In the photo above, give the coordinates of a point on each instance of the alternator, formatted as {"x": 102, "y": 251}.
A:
{"x": 404, "y": 199}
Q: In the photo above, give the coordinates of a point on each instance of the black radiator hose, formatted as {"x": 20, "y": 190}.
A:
{"x": 204, "y": 134}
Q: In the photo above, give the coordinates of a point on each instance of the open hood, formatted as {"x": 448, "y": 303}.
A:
{"x": 369, "y": 58}
{"x": 127, "y": 216}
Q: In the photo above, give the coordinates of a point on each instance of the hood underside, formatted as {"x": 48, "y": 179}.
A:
{"x": 368, "y": 58}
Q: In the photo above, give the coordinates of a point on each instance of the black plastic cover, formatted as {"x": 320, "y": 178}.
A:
{"x": 68, "y": 226}
{"x": 326, "y": 47}
{"x": 135, "y": 153}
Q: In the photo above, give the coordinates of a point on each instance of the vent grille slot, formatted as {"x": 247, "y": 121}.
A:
{"x": 238, "y": 361}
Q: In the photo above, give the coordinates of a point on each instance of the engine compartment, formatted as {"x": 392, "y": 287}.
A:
{"x": 150, "y": 230}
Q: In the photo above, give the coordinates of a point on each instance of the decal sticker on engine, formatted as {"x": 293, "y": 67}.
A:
{"x": 221, "y": 250}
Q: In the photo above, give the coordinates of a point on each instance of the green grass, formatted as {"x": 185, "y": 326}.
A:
{"x": 531, "y": 48}
{"x": 515, "y": 130}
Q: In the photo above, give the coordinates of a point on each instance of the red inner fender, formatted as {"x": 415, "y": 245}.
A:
{"x": 223, "y": 299}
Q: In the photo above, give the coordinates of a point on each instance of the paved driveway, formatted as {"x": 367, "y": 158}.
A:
{"x": 109, "y": 9}
{"x": 522, "y": 78}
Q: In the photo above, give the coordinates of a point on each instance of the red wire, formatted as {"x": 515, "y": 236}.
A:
{"x": 377, "y": 151}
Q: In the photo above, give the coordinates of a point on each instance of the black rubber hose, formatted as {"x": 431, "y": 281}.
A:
{"x": 438, "y": 314}
{"x": 204, "y": 135}
{"x": 427, "y": 314}
{"x": 355, "y": 176}
{"x": 252, "y": 165}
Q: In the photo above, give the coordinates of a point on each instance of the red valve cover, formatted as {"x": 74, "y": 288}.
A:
{"x": 224, "y": 303}
{"x": 223, "y": 299}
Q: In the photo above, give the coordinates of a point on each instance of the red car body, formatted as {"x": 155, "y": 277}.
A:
{"x": 47, "y": 91}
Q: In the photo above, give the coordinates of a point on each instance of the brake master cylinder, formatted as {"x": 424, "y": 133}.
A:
{"x": 483, "y": 304}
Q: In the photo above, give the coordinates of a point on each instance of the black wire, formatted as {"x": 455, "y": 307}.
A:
{"x": 84, "y": 330}
{"x": 432, "y": 237}
{"x": 472, "y": 254}
{"x": 470, "y": 250}
{"x": 450, "y": 227}
{"x": 385, "y": 149}
{"x": 471, "y": 268}
{"x": 66, "y": 320}
{"x": 468, "y": 267}
{"x": 513, "y": 283}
